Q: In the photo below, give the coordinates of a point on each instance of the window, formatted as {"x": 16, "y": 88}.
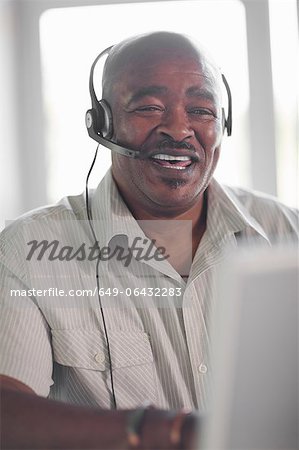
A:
{"x": 285, "y": 67}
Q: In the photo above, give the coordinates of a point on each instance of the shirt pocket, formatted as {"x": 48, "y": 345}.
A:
{"x": 131, "y": 359}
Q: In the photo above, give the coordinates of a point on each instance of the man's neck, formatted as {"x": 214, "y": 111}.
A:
{"x": 174, "y": 235}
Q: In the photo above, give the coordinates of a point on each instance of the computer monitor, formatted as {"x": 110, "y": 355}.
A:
{"x": 254, "y": 354}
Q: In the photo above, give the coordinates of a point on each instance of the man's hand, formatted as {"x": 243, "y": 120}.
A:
{"x": 32, "y": 422}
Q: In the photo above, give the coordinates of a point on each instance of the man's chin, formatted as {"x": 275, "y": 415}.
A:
{"x": 177, "y": 198}
{"x": 175, "y": 183}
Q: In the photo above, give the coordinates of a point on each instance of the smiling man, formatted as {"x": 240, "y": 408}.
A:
{"x": 146, "y": 337}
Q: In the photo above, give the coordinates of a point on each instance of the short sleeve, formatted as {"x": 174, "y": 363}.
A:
{"x": 25, "y": 338}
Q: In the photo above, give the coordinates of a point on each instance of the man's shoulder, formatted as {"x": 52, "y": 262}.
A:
{"x": 70, "y": 208}
{"x": 252, "y": 199}
{"x": 269, "y": 211}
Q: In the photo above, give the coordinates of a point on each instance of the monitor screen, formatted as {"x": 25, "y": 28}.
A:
{"x": 255, "y": 354}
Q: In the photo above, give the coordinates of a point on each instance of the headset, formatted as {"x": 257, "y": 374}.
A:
{"x": 99, "y": 121}
{"x": 99, "y": 124}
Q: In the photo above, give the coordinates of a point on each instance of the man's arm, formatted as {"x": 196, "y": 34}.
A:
{"x": 32, "y": 422}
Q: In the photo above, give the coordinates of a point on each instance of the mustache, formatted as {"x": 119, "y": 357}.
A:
{"x": 172, "y": 144}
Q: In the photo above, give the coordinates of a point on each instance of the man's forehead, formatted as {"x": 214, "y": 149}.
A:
{"x": 168, "y": 60}
{"x": 143, "y": 64}
{"x": 158, "y": 77}
{"x": 170, "y": 67}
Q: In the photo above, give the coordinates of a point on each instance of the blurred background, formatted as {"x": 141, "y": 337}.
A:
{"x": 48, "y": 46}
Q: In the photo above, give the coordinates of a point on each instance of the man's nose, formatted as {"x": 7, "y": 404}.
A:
{"x": 176, "y": 124}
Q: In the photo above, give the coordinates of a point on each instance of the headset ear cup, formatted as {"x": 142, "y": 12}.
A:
{"x": 228, "y": 124}
{"x": 106, "y": 122}
{"x": 91, "y": 120}
{"x": 227, "y": 120}
{"x": 224, "y": 124}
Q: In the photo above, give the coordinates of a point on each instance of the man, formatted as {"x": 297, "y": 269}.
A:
{"x": 165, "y": 98}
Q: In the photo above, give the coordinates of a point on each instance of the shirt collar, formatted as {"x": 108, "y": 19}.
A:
{"x": 227, "y": 215}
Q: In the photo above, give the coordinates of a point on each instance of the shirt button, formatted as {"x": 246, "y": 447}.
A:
{"x": 99, "y": 357}
{"x": 202, "y": 368}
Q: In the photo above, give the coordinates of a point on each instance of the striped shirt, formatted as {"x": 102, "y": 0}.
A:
{"x": 158, "y": 325}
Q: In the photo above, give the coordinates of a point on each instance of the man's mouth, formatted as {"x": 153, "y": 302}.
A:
{"x": 178, "y": 162}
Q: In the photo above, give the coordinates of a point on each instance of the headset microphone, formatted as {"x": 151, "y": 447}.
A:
{"x": 105, "y": 142}
{"x": 89, "y": 121}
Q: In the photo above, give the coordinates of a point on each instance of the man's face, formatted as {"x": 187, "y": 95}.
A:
{"x": 169, "y": 109}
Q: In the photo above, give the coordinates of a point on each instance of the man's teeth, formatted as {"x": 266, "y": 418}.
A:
{"x": 171, "y": 158}
{"x": 173, "y": 162}
{"x": 175, "y": 167}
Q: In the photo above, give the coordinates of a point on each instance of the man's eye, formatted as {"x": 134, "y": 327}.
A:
{"x": 201, "y": 112}
{"x": 149, "y": 108}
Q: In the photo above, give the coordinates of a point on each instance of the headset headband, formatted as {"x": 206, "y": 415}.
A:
{"x": 94, "y": 100}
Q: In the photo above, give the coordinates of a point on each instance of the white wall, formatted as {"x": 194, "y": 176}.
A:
{"x": 9, "y": 137}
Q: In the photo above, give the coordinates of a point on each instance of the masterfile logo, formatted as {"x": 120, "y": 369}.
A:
{"x": 142, "y": 249}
